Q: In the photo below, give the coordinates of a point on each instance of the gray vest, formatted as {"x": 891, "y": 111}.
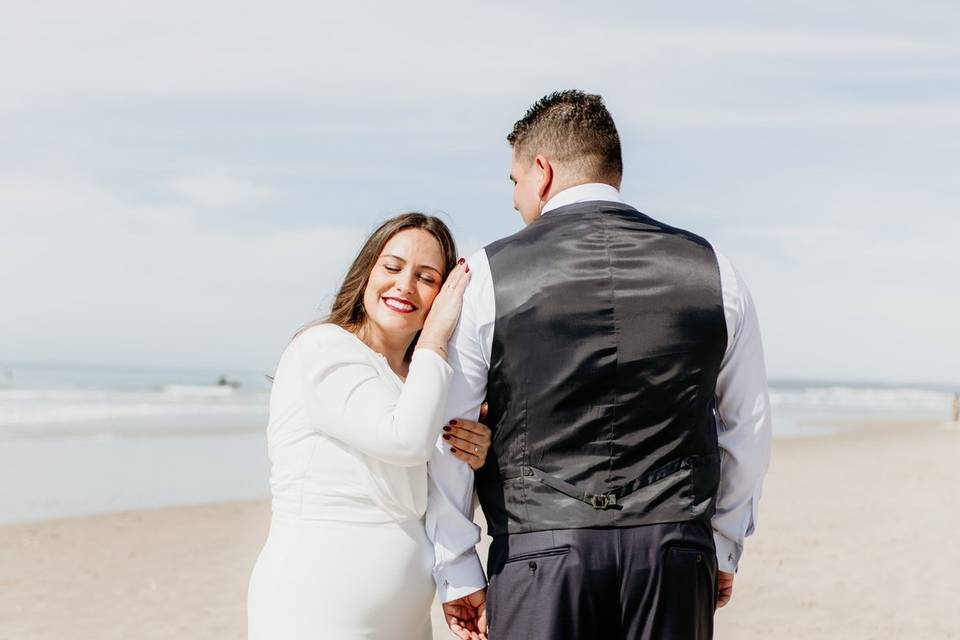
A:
{"x": 608, "y": 340}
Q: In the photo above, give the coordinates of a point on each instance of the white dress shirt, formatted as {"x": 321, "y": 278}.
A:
{"x": 743, "y": 431}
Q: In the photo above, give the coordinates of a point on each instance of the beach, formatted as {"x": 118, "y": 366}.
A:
{"x": 854, "y": 541}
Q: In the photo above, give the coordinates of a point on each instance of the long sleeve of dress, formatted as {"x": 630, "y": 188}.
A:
{"x": 347, "y": 398}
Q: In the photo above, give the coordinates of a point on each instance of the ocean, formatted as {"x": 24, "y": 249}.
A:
{"x": 84, "y": 440}
{"x": 803, "y": 408}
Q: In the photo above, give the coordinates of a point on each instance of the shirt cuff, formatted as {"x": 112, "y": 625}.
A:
{"x": 728, "y": 553}
{"x": 460, "y": 577}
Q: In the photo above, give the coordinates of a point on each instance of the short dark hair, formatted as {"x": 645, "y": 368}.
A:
{"x": 570, "y": 127}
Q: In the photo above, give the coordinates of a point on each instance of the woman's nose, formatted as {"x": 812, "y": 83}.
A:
{"x": 405, "y": 282}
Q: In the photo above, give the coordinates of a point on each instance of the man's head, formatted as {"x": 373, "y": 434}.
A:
{"x": 565, "y": 139}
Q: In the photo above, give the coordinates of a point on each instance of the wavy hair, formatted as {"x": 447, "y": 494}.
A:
{"x": 347, "y": 310}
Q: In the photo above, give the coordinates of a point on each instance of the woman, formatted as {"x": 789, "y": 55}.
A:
{"x": 355, "y": 412}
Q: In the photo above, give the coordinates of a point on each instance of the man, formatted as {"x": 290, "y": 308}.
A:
{"x": 622, "y": 363}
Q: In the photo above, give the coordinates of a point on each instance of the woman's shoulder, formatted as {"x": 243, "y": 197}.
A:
{"x": 324, "y": 333}
{"x": 329, "y": 343}
{"x": 315, "y": 350}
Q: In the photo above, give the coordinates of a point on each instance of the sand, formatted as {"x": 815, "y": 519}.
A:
{"x": 856, "y": 540}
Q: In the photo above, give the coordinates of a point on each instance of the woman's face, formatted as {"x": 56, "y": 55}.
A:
{"x": 403, "y": 283}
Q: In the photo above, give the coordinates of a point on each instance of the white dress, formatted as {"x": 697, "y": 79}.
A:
{"x": 347, "y": 556}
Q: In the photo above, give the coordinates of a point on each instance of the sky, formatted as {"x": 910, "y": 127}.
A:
{"x": 183, "y": 185}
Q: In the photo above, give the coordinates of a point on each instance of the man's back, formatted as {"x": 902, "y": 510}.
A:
{"x": 608, "y": 338}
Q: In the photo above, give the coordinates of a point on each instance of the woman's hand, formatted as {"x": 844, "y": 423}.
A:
{"x": 469, "y": 441}
{"x": 445, "y": 312}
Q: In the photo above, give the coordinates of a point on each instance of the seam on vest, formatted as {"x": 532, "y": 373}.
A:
{"x": 713, "y": 406}
{"x": 715, "y": 400}
{"x": 616, "y": 346}
{"x": 721, "y": 455}
{"x": 524, "y": 460}
{"x": 723, "y": 313}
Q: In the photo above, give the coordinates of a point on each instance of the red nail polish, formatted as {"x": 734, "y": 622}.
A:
{"x": 446, "y": 437}
{"x": 466, "y": 269}
{"x": 446, "y": 428}
{"x": 453, "y": 422}
{"x": 453, "y": 450}
{"x": 461, "y": 261}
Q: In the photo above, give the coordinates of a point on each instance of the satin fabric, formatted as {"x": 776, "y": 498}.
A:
{"x": 608, "y": 340}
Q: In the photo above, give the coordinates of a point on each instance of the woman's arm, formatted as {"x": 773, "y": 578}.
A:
{"x": 347, "y": 399}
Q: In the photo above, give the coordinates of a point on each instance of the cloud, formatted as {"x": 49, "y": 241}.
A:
{"x": 166, "y": 291}
{"x": 184, "y": 183}
{"x": 218, "y": 189}
{"x": 400, "y": 53}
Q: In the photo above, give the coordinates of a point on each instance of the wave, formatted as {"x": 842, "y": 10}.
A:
{"x": 29, "y": 412}
{"x": 56, "y": 407}
{"x": 199, "y": 390}
{"x": 854, "y": 399}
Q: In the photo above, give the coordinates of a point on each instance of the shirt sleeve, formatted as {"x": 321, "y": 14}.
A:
{"x": 450, "y": 503}
{"x": 743, "y": 424}
{"x": 346, "y": 398}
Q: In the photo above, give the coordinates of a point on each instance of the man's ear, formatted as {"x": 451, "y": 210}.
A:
{"x": 546, "y": 176}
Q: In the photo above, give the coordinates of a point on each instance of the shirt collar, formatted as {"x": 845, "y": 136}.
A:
{"x": 583, "y": 193}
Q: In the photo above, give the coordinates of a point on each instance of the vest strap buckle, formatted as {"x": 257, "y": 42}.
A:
{"x": 599, "y": 501}
{"x": 603, "y": 501}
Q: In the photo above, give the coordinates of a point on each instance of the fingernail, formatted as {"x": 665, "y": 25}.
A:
{"x": 453, "y": 450}
{"x": 461, "y": 261}
{"x": 446, "y": 428}
{"x": 466, "y": 269}
{"x": 453, "y": 422}
{"x": 446, "y": 437}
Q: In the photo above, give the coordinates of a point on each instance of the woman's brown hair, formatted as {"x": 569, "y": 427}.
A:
{"x": 347, "y": 310}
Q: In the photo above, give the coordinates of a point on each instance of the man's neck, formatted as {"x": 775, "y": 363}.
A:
{"x": 583, "y": 192}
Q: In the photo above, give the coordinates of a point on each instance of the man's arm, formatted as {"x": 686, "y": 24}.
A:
{"x": 744, "y": 425}
{"x": 450, "y": 505}
{"x": 450, "y": 527}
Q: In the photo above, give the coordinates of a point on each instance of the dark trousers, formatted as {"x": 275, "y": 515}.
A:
{"x": 655, "y": 582}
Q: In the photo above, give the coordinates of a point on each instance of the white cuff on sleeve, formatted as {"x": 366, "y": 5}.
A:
{"x": 728, "y": 553}
{"x": 460, "y": 577}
